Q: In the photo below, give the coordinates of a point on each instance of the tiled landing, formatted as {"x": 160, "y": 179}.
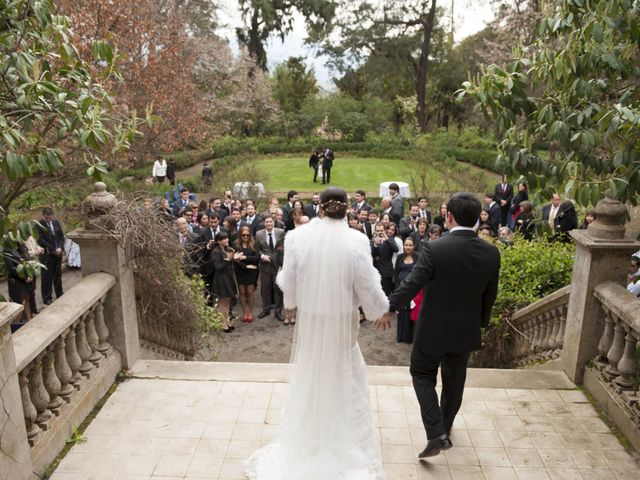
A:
{"x": 178, "y": 420}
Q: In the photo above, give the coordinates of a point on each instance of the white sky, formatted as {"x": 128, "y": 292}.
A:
{"x": 470, "y": 17}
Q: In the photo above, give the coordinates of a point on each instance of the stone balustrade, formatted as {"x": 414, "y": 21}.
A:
{"x": 612, "y": 375}
{"x": 539, "y": 328}
{"x": 65, "y": 364}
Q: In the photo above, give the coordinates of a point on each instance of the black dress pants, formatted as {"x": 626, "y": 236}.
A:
{"x": 438, "y": 417}
{"x": 51, "y": 276}
{"x": 326, "y": 174}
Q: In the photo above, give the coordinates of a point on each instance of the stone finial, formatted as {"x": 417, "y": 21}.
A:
{"x": 611, "y": 216}
{"x": 97, "y": 204}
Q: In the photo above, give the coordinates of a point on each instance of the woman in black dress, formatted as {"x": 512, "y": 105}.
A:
{"x": 521, "y": 196}
{"x": 224, "y": 280}
{"x": 246, "y": 271}
{"x": 21, "y": 284}
{"x": 440, "y": 219}
{"x": 404, "y": 265}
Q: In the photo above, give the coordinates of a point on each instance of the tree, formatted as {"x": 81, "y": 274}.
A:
{"x": 293, "y": 84}
{"x": 57, "y": 117}
{"x": 262, "y": 18}
{"x": 576, "y": 90}
{"x": 55, "y": 113}
{"x": 401, "y": 31}
{"x": 157, "y": 47}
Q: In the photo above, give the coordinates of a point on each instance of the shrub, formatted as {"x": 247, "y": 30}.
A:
{"x": 529, "y": 271}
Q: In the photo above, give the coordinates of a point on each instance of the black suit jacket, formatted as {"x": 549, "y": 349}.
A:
{"x": 365, "y": 206}
{"x": 309, "y": 211}
{"x": 495, "y": 216}
{"x": 459, "y": 278}
{"x": 50, "y": 242}
{"x": 202, "y": 253}
{"x": 503, "y": 195}
{"x": 382, "y": 257}
{"x": 257, "y": 221}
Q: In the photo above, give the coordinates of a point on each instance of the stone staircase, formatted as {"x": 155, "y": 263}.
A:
{"x": 200, "y": 420}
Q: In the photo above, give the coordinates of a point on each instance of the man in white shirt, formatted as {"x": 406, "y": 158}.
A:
{"x": 266, "y": 241}
{"x": 633, "y": 279}
{"x": 361, "y": 202}
{"x": 550, "y": 211}
{"x": 313, "y": 210}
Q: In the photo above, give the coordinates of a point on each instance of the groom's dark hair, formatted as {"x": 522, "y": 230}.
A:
{"x": 465, "y": 208}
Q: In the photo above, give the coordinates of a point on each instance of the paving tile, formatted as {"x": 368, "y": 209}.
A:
{"x": 626, "y": 474}
{"x": 172, "y": 465}
{"x": 520, "y": 394}
{"x": 204, "y": 467}
{"x": 588, "y": 459}
{"x": 532, "y": 474}
{"x": 556, "y": 408}
{"x": 247, "y": 431}
{"x": 501, "y": 407}
{"x": 474, "y": 407}
{"x": 605, "y": 441}
{"x": 479, "y": 422}
{"x": 525, "y": 458}
{"x": 218, "y": 431}
{"x": 556, "y": 459}
{"x": 395, "y": 436}
{"x": 544, "y": 395}
{"x": 232, "y": 469}
{"x": 508, "y": 423}
{"x": 466, "y": 473}
{"x": 516, "y": 439}
{"x": 211, "y": 448}
{"x": 528, "y": 408}
{"x": 485, "y": 438}
{"x": 241, "y": 449}
{"x": 536, "y": 423}
{"x": 573, "y": 396}
{"x": 462, "y": 438}
{"x": 499, "y": 473}
{"x": 401, "y": 472}
{"x": 493, "y": 457}
{"x": 399, "y": 454}
{"x": 430, "y": 471}
{"x": 140, "y": 465}
{"x": 565, "y": 474}
{"x": 462, "y": 456}
{"x": 593, "y": 474}
{"x": 621, "y": 460}
{"x": 542, "y": 440}
{"x": 593, "y": 425}
{"x": 578, "y": 441}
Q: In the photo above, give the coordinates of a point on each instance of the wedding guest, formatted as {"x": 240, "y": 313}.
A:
{"x": 224, "y": 282}
{"x": 589, "y": 217}
{"x": 314, "y": 160}
{"x": 485, "y": 232}
{"x": 51, "y": 239}
{"x": 382, "y": 250}
{"x": 485, "y": 219}
{"x": 352, "y": 220}
{"x": 441, "y": 217}
{"x": 421, "y": 234}
{"x": 521, "y": 196}
{"x": 246, "y": 272}
{"x": 360, "y": 202}
{"x": 159, "y": 170}
{"x": 171, "y": 172}
{"x": 505, "y": 236}
{"x": 231, "y": 225}
{"x": 392, "y": 232}
{"x": 434, "y": 232}
{"x": 525, "y": 222}
{"x": 403, "y": 266}
{"x": 633, "y": 278}
{"x": 565, "y": 221}
{"x": 21, "y": 284}
{"x": 423, "y": 203}
{"x": 503, "y": 193}
{"x": 202, "y": 223}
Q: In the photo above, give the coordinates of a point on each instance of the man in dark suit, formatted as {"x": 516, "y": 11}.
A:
{"x": 503, "y": 193}
{"x": 424, "y": 212}
{"x": 397, "y": 202}
{"x": 382, "y": 250}
{"x": 408, "y": 224}
{"x": 266, "y": 241}
{"x": 495, "y": 212}
{"x": 204, "y": 244}
{"x": 459, "y": 278}
{"x": 51, "y": 239}
{"x": 252, "y": 219}
{"x": 314, "y": 161}
{"x": 360, "y": 202}
{"x": 327, "y": 163}
{"x": 180, "y": 205}
{"x": 313, "y": 209}
{"x": 551, "y": 210}
{"x": 292, "y": 196}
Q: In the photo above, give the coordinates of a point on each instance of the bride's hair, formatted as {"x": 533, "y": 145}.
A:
{"x": 334, "y": 202}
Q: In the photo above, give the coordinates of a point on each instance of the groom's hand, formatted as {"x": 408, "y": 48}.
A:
{"x": 384, "y": 321}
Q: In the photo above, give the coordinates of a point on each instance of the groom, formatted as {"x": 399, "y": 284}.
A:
{"x": 459, "y": 276}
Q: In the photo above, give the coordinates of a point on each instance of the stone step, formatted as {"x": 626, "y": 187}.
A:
{"x": 377, "y": 375}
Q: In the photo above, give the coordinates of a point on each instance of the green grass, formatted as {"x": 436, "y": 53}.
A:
{"x": 281, "y": 174}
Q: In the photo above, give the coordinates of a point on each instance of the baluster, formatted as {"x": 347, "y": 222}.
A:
{"x": 51, "y": 381}
{"x": 535, "y": 344}
{"x": 607, "y": 336}
{"x": 38, "y": 392}
{"x": 29, "y": 410}
{"x": 83, "y": 347}
{"x": 627, "y": 364}
{"x": 553, "y": 341}
{"x": 615, "y": 352}
{"x": 92, "y": 339}
{"x": 64, "y": 373}
{"x": 562, "y": 322}
{"x": 73, "y": 359}
{"x": 548, "y": 328}
{"x": 102, "y": 330}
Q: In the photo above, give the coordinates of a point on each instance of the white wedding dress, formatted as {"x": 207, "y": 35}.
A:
{"x": 327, "y": 430}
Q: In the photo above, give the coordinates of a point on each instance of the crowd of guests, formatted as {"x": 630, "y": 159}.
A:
{"x": 233, "y": 245}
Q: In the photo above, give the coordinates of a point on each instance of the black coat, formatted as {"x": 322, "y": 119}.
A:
{"x": 383, "y": 255}
{"x": 50, "y": 242}
{"x": 459, "y": 278}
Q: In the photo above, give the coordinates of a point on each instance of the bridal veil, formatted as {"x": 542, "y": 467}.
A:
{"x": 327, "y": 428}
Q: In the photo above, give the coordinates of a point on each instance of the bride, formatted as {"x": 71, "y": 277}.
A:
{"x": 327, "y": 428}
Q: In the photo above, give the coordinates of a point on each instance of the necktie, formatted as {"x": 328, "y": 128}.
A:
{"x": 53, "y": 234}
{"x": 271, "y": 241}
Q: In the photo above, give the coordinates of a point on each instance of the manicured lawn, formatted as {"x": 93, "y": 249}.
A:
{"x": 281, "y": 174}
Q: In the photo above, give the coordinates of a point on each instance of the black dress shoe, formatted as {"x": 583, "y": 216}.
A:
{"x": 436, "y": 445}
{"x": 264, "y": 313}
{"x": 47, "y": 302}
{"x": 279, "y": 317}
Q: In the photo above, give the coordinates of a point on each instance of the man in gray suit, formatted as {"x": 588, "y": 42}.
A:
{"x": 397, "y": 202}
{"x": 266, "y": 241}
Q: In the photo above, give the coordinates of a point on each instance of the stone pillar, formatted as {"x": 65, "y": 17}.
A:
{"x": 15, "y": 454}
{"x": 602, "y": 254}
{"x": 101, "y": 252}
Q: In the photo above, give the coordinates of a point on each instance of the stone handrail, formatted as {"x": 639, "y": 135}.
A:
{"x": 611, "y": 376}
{"x": 60, "y": 356}
{"x": 539, "y": 328}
